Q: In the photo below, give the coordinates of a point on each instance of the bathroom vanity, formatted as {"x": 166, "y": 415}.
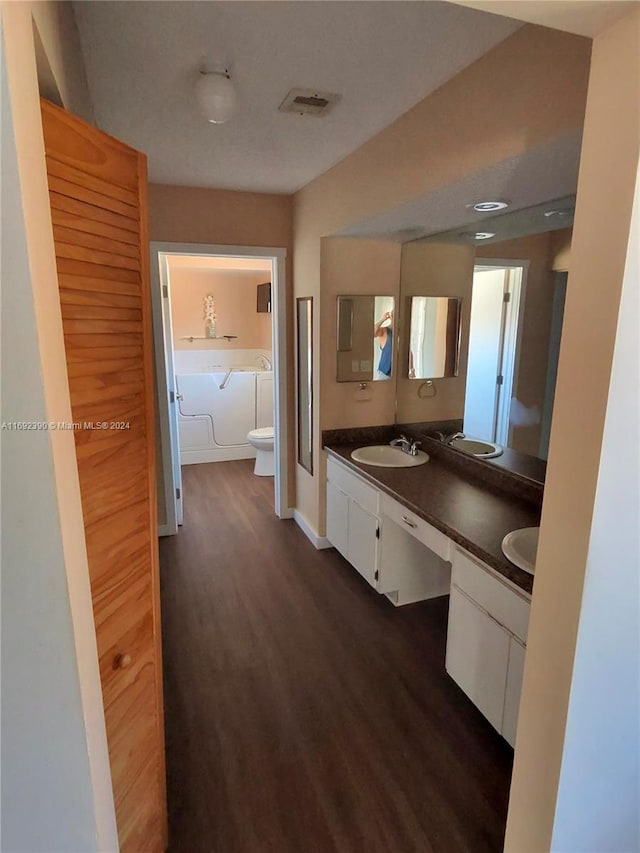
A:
{"x": 422, "y": 532}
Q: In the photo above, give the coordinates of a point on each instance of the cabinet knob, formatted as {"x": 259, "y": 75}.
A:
{"x": 121, "y": 661}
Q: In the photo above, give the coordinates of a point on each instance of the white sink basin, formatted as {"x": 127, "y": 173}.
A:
{"x": 475, "y": 447}
{"x": 385, "y": 456}
{"x": 521, "y": 547}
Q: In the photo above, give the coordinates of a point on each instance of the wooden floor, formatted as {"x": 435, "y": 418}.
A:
{"x": 304, "y": 713}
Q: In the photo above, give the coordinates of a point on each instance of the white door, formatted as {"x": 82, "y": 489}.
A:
{"x": 171, "y": 468}
{"x": 338, "y": 519}
{"x": 477, "y": 655}
{"x": 514, "y": 688}
{"x": 363, "y": 541}
{"x": 485, "y": 354}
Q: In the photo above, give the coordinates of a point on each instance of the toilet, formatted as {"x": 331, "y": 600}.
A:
{"x": 262, "y": 439}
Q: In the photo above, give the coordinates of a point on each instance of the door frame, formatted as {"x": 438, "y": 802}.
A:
{"x": 166, "y": 383}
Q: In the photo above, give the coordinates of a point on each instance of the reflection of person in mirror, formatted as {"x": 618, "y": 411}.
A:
{"x": 383, "y": 332}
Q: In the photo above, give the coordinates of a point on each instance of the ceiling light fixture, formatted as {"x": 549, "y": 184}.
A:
{"x": 216, "y": 96}
{"x": 488, "y": 206}
{"x": 478, "y": 235}
{"x": 563, "y": 211}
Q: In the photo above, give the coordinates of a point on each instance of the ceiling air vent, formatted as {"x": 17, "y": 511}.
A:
{"x": 308, "y": 102}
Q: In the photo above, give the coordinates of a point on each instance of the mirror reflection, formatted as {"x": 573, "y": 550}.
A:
{"x": 366, "y": 336}
{"x": 514, "y": 283}
{"x": 434, "y": 337}
{"x": 304, "y": 317}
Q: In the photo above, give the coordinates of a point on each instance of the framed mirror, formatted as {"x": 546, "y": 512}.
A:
{"x": 434, "y": 337}
{"x": 365, "y": 338}
{"x": 304, "y": 327}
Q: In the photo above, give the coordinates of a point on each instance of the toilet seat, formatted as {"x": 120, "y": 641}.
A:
{"x": 261, "y": 432}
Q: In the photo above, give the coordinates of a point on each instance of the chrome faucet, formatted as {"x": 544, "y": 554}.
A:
{"x": 451, "y": 438}
{"x": 403, "y": 443}
{"x": 410, "y": 447}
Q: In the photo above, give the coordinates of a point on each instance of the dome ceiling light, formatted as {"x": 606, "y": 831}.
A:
{"x": 216, "y": 96}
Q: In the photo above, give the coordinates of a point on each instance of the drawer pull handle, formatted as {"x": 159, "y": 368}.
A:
{"x": 408, "y": 522}
{"x": 121, "y": 661}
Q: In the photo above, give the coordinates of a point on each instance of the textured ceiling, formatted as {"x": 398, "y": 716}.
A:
{"x": 542, "y": 173}
{"x": 143, "y": 59}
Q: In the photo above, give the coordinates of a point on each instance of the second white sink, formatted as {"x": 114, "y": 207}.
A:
{"x": 385, "y": 456}
{"x": 521, "y": 547}
{"x": 476, "y": 447}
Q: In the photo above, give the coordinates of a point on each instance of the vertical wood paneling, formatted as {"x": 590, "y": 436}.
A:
{"x": 98, "y": 202}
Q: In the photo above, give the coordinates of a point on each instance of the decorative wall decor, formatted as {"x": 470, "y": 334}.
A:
{"x": 210, "y": 316}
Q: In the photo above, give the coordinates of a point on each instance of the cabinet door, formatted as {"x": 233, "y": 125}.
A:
{"x": 512, "y": 694}
{"x": 363, "y": 541}
{"x": 338, "y": 519}
{"x": 477, "y": 655}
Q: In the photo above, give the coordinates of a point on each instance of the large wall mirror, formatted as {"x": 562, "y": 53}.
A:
{"x": 434, "y": 337}
{"x": 304, "y": 330}
{"x": 365, "y": 338}
{"x": 511, "y": 273}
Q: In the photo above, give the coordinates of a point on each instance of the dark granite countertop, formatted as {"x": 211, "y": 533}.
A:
{"x": 475, "y": 514}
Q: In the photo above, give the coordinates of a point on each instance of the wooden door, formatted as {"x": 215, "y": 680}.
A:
{"x": 97, "y": 191}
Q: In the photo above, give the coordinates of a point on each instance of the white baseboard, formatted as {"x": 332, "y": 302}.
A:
{"x": 217, "y": 454}
{"x": 319, "y": 542}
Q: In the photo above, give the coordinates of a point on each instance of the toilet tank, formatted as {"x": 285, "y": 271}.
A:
{"x": 264, "y": 399}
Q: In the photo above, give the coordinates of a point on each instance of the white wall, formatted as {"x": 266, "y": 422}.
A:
{"x": 579, "y": 461}
{"x": 47, "y": 796}
{"x": 599, "y": 791}
{"x": 56, "y": 786}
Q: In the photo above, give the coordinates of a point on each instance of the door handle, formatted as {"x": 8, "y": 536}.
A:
{"x": 122, "y": 661}
{"x": 408, "y": 522}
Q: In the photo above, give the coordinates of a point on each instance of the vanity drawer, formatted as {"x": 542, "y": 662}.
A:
{"x": 481, "y": 584}
{"x": 352, "y": 485}
{"x": 418, "y": 527}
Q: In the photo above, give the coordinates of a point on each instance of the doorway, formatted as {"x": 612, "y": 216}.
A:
{"x": 170, "y": 491}
{"x": 496, "y": 300}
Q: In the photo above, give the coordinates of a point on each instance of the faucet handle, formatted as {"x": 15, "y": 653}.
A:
{"x": 414, "y": 447}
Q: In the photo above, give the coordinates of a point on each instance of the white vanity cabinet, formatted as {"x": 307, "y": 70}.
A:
{"x": 414, "y": 556}
{"x": 486, "y": 639}
{"x": 353, "y": 525}
{"x": 396, "y": 551}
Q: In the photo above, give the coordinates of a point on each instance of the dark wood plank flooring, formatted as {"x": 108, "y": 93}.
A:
{"x": 304, "y": 713}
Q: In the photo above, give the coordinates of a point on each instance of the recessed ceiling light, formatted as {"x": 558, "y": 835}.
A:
{"x": 488, "y": 206}
{"x": 478, "y": 235}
